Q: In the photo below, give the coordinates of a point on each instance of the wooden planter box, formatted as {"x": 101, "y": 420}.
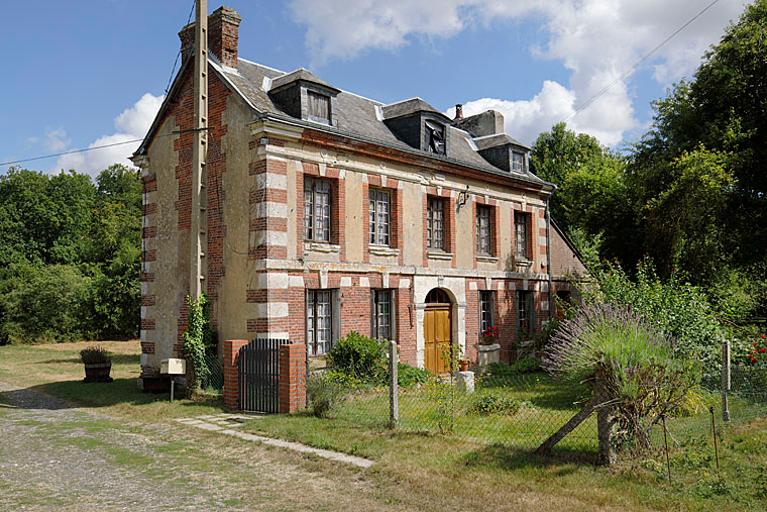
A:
{"x": 98, "y": 372}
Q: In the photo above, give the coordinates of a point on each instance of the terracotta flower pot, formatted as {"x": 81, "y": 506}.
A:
{"x": 463, "y": 365}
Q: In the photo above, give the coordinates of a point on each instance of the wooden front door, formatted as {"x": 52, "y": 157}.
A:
{"x": 437, "y": 332}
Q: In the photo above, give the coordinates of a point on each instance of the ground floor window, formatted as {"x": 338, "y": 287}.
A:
{"x": 486, "y": 301}
{"x": 382, "y": 314}
{"x": 525, "y": 313}
{"x": 319, "y": 321}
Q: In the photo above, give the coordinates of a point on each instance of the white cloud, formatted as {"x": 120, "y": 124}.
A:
{"x": 133, "y": 123}
{"x": 596, "y": 40}
{"x": 56, "y": 139}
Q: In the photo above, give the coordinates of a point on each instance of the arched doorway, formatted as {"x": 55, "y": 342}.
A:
{"x": 437, "y": 329}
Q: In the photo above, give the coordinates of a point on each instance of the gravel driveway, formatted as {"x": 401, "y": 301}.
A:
{"x": 55, "y": 457}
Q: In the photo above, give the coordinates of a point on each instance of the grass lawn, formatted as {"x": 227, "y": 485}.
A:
{"x": 417, "y": 467}
{"x": 55, "y": 369}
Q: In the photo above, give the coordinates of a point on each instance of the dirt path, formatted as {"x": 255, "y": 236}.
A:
{"x": 54, "y": 457}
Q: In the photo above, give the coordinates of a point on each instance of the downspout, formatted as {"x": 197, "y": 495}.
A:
{"x": 548, "y": 258}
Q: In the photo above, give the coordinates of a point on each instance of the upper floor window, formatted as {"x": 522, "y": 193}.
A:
{"x": 484, "y": 230}
{"x": 435, "y": 223}
{"x": 517, "y": 161}
{"x": 319, "y": 107}
{"x": 521, "y": 235}
{"x": 317, "y": 210}
{"x": 379, "y": 212}
{"x": 435, "y": 133}
{"x": 382, "y": 317}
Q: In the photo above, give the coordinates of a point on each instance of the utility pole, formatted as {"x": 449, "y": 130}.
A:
{"x": 197, "y": 233}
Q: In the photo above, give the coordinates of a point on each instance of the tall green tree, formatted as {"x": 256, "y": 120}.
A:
{"x": 591, "y": 199}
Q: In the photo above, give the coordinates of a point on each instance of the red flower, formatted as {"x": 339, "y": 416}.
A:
{"x": 764, "y": 336}
{"x": 763, "y": 350}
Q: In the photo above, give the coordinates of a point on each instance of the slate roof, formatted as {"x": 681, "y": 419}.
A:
{"x": 354, "y": 116}
{"x": 498, "y": 139}
{"x": 298, "y": 75}
{"x": 411, "y": 106}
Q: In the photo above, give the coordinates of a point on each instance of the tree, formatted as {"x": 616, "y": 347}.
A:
{"x": 591, "y": 199}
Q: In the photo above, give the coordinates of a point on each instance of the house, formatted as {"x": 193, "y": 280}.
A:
{"x": 325, "y": 212}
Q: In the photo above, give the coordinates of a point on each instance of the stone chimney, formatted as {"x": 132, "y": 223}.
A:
{"x": 458, "y": 112}
{"x": 223, "y": 34}
{"x": 489, "y": 122}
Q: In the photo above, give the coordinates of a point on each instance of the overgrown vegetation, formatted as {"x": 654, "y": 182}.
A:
{"x": 325, "y": 393}
{"x": 71, "y": 255}
{"x": 628, "y": 362}
{"x": 199, "y": 341}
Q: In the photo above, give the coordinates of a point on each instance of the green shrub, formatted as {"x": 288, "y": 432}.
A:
{"x": 43, "y": 304}
{"x": 409, "y": 376}
{"x": 95, "y": 355}
{"x": 344, "y": 379}
{"x": 494, "y": 403}
{"x": 360, "y": 356}
{"x": 678, "y": 309}
{"x": 527, "y": 364}
{"x": 325, "y": 393}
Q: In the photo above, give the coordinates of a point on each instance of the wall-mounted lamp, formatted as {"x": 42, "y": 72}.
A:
{"x": 463, "y": 197}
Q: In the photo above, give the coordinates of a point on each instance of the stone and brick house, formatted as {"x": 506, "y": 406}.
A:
{"x": 328, "y": 212}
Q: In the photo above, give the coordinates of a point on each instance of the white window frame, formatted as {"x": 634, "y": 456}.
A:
{"x": 484, "y": 223}
{"x": 321, "y": 313}
{"x": 435, "y": 223}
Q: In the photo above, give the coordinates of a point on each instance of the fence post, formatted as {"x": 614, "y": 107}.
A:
{"x": 605, "y": 420}
{"x": 726, "y": 380}
{"x": 231, "y": 389}
{"x": 393, "y": 387}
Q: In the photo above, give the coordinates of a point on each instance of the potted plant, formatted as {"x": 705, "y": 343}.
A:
{"x": 463, "y": 364}
{"x": 490, "y": 335}
{"x": 98, "y": 364}
{"x": 489, "y": 349}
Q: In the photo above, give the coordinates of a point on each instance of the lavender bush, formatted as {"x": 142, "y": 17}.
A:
{"x": 634, "y": 363}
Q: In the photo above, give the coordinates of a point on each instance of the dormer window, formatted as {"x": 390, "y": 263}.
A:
{"x": 517, "y": 162}
{"x": 319, "y": 107}
{"x": 435, "y": 133}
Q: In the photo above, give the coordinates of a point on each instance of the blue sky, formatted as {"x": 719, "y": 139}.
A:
{"x": 71, "y": 68}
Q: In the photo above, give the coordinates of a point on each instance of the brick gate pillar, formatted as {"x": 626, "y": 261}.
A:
{"x": 231, "y": 381}
{"x": 292, "y": 377}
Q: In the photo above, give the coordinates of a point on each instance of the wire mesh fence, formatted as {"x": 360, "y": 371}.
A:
{"x": 520, "y": 411}
{"x": 214, "y": 380}
{"x": 516, "y": 411}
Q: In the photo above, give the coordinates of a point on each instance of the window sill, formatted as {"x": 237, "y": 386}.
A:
{"x": 435, "y": 254}
{"x": 523, "y": 265}
{"x": 383, "y": 250}
{"x": 486, "y": 258}
{"x": 322, "y": 247}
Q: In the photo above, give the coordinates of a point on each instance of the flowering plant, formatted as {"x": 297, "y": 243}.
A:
{"x": 489, "y": 335}
{"x": 758, "y": 354}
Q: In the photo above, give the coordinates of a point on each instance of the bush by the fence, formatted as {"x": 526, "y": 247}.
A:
{"x": 409, "y": 376}
{"x": 360, "y": 356}
{"x": 325, "y": 393}
{"x": 494, "y": 403}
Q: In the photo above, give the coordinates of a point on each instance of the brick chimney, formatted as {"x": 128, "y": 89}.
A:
{"x": 458, "y": 112}
{"x": 223, "y": 33}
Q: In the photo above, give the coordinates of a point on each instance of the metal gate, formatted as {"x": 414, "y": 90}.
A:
{"x": 258, "y": 368}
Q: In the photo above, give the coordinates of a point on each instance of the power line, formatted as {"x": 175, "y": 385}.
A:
{"x": 633, "y": 68}
{"x": 93, "y": 148}
{"x": 175, "y": 62}
{"x": 81, "y": 150}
